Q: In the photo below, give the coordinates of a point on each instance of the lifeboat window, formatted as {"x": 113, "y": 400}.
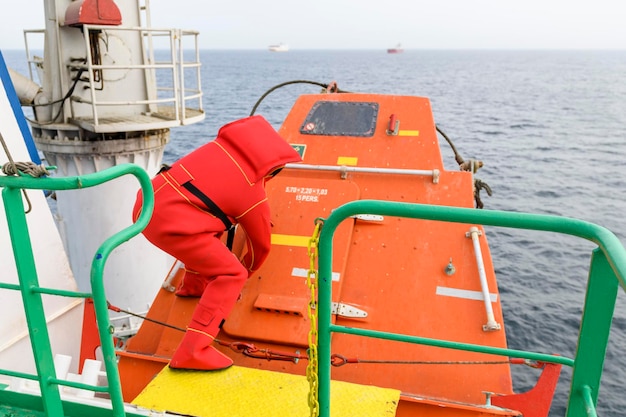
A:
{"x": 331, "y": 118}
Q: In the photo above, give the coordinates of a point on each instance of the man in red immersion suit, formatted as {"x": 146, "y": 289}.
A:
{"x": 231, "y": 171}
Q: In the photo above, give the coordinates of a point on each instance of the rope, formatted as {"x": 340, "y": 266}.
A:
{"x": 12, "y": 167}
{"x": 247, "y": 349}
{"x": 28, "y": 168}
{"x": 457, "y": 156}
{"x": 340, "y": 360}
{"x": 329, "y": 88}
{"x": 472, "y": 166}
{"x": 480, "y": 185}
{"x": 162, "y": 323}
{"x": 337, "y": 360}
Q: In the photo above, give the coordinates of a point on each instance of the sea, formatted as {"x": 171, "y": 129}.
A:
{"x": 549, "y": 126}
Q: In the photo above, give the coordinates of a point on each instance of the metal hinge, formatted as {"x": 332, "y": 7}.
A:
{"x": 368, "y": 217}
{"x": 345, "y": 310}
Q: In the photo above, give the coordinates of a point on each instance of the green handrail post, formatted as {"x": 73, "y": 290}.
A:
{"x": 33, "y": 303}
{"x": 31, "y": 292}
{"x": 99, "y": 296}
{"x": 324, "y": 283}
{"x": 607, "y": 272}
{"x": 594, "y": 334}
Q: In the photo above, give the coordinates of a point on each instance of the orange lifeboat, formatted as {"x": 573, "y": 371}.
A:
{"x": 422, "y": 278}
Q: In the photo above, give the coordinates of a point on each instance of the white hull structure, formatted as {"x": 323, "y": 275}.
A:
{"x": 98, "y": 106}
{"x": 51, "y": 262}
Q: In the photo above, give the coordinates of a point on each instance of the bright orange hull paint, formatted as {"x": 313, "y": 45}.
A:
{"x": 393, "y": 269}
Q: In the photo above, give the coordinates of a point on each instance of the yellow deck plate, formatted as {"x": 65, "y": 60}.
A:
{"x": 241, "y": 392}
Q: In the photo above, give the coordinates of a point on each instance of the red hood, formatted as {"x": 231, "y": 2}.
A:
{"x": 256, "y": 146}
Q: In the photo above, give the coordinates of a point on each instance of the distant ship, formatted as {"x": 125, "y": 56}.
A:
{"x": 398, "y": 49}
{"x": 281, "y": 47}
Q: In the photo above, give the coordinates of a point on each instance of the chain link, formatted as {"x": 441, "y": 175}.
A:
{"x": 312, "y": 367}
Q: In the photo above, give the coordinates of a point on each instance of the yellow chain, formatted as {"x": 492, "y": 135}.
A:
{"x": 312, "y": 369}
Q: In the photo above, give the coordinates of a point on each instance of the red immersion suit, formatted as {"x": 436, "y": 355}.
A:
{"x": 231, "y": 171}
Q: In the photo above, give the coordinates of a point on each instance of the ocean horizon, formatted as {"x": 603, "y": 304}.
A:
{"x": 549, "y": 125}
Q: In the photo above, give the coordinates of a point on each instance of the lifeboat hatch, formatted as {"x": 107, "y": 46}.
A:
{"x": 273, "y": 306}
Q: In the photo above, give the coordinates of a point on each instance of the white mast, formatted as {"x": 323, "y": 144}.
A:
{"x": 98, "y": 76}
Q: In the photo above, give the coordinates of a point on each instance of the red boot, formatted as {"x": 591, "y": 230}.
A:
{"x": 192, "y": 284}
{"x": 196, "y": 352}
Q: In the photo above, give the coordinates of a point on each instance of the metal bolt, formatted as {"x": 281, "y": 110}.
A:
{"x": 450, "y": 269}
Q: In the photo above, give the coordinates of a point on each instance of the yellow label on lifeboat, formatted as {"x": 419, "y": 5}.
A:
{"x": 347, "y": 160}
{"x": 290, "y": 240}
{"x": 409, "y": 133}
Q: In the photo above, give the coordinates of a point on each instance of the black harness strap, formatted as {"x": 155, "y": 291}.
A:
{"x": 213, "y": 208}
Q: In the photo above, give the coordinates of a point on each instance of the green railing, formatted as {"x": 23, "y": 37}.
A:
{"x": 607, "y": 272}
{"x": 32, "y": 292}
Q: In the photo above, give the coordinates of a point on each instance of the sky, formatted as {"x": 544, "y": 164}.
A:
{"x": 369, "y": 24}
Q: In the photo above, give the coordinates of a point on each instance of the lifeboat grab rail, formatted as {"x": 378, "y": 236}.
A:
{"x": 491, "y": 324}
{"x": 32, "y": 293}
{"x": 607, "y": 273}
{"x": 344, "y": 169}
